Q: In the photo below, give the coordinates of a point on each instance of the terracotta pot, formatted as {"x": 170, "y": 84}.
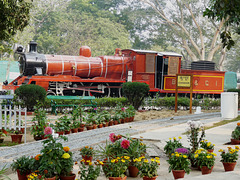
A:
{"x": 115, "y": 122}
{"x": 126, "y": 120}
{"x": 132, "y": 118}
{"x": 110, "y": 123}
{"x": 22, "y": 130}
{"x": 206, "y": 170}
{"x": 94, "y": 126}
{"x": 52, "y": 178}
{"x": 117, "y": 178}
{"x": 67, "y": 132}
{"x": 17, "y": 138}
{"x": 148, "y": 178}
{"x": 80, "y": 129}
{"x": 106, "y": 124}
{"x": 75, "y": 130}
{"x": 1, "y": 140}
{"x": 37, "y": 138}
{"x": 210, "y": 150}
{"x": 100, "y": 125}
{"x": 71, "y": 177}
{"x": 89, "y": 127}
{"x": 60, "y": 133}
{"x": 82, "y": 125}
{"x": 22, "y": 176}
{"x": 177, "y": 174}
{"x": 86, "y": 158}
{"x": 235, "y": 141}
{"x": 122, "y": 121}
{"x": 229, "y": 166}
{"x": 133, "y": 171}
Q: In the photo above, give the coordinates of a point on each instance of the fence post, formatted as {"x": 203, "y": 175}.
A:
{"x": 1, "y": 116}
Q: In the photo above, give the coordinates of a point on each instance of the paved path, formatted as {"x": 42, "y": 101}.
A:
{"x": 154, "y": 133}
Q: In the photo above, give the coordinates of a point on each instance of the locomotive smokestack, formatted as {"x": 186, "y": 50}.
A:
{"x": 33, "y": 46}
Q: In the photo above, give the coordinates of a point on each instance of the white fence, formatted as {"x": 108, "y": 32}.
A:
{"x": 13, "y": 118}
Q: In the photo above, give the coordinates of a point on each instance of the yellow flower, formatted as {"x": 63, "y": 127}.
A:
{"x": 236, "y": 147}
{"x": 90, "y": 163}
{"x": 208, "y": 144}
{"x": 220, "y": 150}
{"x": 118, "y": 157}
{"x": 152, "y": 159}
{"x": 174, "y": 138}
{"x": 214, "y": 154}
{"x": 184, "y": 156}
{"x": 196, "y": 156}
{"x": 126, "y": 157}
{"x": 170, "y": 138}
{"x": 157, "y": 158}
{"x": 157, "y": 161}
{"x": 113, "y": 160}
{"x": 177, "y": 155}
{"x": 66, "y": 156}
{"x": 145, "y": 160}
{"x": 209, "y": 157}
{"x": 179, "y": 137}
{"x": 100, "y": 162}
{"x": 123, "y": 160}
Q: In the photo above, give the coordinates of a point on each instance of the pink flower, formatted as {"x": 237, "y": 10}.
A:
{"x": 125, "y": 144}
{"x": 112, "y": 137}
{"x": 48, "y": 130}
{"x": 123, "y": 109}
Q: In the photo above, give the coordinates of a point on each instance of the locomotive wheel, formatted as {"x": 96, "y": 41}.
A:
{"x": 75, "y": 91}
{"x": 107, "y": 91}
{"x": 50, "y": 92}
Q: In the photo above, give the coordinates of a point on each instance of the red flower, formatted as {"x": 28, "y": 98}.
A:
{"x": 45, "y": 171}
{"x": 125, "y": 144}
{"x": 48, "y": 130}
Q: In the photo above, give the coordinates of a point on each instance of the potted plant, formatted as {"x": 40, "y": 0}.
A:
{"x": 171, "y": 145}
{"x": 107, "y": 117}
{"x": 115, "y": 168}
{"x": 235, "y": 135}
{"x": 131, "y": 112}
{"x": 90, "y": 172}
{"x": 39, "y": 123}
{"x": 87, "y": 154}
{"x": 148, "y": 168}
{"x": 207, "y": 145}
{"x": 16, "y": 135}
{"x": 22, "y": 167}
{"x": 74, "y": 126}
{"x": 66, "y": 165}
{"x": 229, "y": 159}
{"x": 2, "y": 134}
{"x": 66, "y": 123}
{"x": 59, "y": 127}
{"x": 50, "y": 164}
{"x": 179, "y": 164}
{"x": 205, "y": 160}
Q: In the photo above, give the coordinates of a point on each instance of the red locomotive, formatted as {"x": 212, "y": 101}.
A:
{"x": 104, "y": 75}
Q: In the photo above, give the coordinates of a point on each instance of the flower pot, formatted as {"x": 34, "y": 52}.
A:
{"x": 80, "y": 129}
{"x": 22, "y": 176}
{"x": 70, "y": 177}
{"x": 94, "y": 126}
{"x": 110, "y": 123}
{"x": 100, "y": 125}
{"x": 117, "y": 178}
{"x": 75, "y": 130}
{"x": 115, "y": 122}
{"x": 17, "y": 138}
{"x": 106, "y": 124}
{"x": 133, "y": 171}
{"x": 235, "y": 141}
{"x": 86, "y": 158}
{"x": 67, "y": 132}
{"x": 210, "y": 150}
{"x": 122, "y": 121}
{"x": 37, "y": 138}
{"x": 52, "y": 178}
{"x": 60, "y": 133}
{"x": 148, "y": 178}
{"x": 44, "y": 137}
{"x": 126, "y": 119}
{"x": 1, "y": 140}
{"x": 132, "y": 118}
{"x": 82, "y": 125}
{"x": 206, "y": 170}
{"x": 177, "y": 174}
{"x": 229, "y": 166}
{"x": 89, "y": 127}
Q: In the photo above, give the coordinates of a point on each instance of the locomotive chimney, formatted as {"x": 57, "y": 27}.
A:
{"x": 85, "y": 51}
{"x": 118, "y": 52}
{"x": 33, "y": 46}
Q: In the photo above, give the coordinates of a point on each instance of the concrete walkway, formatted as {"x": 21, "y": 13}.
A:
{"x": 156, "y": 137}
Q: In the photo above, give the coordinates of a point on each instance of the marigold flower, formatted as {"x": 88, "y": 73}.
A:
{"x": 184, "y": 156}
{"x": 196, "y": 156}
{"x": 90, "y": 163}
{"x": 123, "y": 160}
{"x": 220, "y": 150}
{"x": 37, "y": 157}
{"x": 157, "y": 161}
{"x": 157, "y": 158}
{"x": 174, "y": 138}
{"x": 179, "y": 137}
{"x": 76, "y": 162}
{"x": 170, "y": 138}
{"x": 126, "y": 157}
{"x": 152, "y": 159}
{"x": 66, "y": 149}
{"x": 238, "y": 123}
{"x": 86, "y": 146}
{"x": 66, "y": 156}
{"x": 145, "y": 160}
{"x": 236, "y": 147}
{"x": 113, "y": 160}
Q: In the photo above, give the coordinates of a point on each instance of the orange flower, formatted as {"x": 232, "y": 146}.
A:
{"x": 66, "y": 149}
{"x": 37, "y": 157}
{"x": 238, "y": 123}
{"x": 76, "y": 162}
{"x": 86, "y": 146}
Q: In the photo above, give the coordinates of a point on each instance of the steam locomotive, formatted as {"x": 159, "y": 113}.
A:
{"x": 85, "y": 75}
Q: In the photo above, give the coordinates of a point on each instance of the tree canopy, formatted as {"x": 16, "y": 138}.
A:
{"x": 228, "y": 10}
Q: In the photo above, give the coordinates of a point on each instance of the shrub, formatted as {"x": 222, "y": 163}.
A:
{"x": 135, "y": 92}
{"x": 30, "y": 94}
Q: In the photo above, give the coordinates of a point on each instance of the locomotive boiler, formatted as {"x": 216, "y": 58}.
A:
{"x": 104, "y": 75}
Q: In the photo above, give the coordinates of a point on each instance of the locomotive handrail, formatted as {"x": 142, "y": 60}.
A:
{"x": 54, "y": 105}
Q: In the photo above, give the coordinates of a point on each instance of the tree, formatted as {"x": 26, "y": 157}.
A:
{"x": 14, "y": 17}
{"x": 228, "y": 10}
{"x": 198, "y": 36}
